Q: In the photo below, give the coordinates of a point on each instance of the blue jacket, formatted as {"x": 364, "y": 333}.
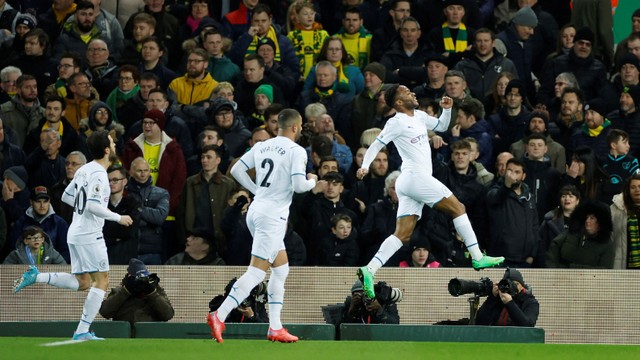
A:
{"x": 154, "y": 210}
{"x": 481, "y": 131}
{"x": 341, "y": 152}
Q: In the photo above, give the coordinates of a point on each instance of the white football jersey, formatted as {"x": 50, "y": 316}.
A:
{"x": 89, "y": 184}
{"x": 409, "y": 134}
{"x": 276, "y": 161}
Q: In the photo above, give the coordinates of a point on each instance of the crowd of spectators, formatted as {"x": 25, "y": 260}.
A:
{"x": 545, "y": 122}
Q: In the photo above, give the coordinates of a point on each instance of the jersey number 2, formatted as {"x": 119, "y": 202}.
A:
{"x": 266, "y": 163}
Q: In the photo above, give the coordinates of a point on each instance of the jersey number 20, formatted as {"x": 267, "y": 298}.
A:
{"x": 81, "y": 200}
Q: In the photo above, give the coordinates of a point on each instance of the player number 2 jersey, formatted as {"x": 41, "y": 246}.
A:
{"x": 276, "y": 161}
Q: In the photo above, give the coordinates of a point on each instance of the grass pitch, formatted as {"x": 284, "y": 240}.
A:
{"x": 174, "y": 349}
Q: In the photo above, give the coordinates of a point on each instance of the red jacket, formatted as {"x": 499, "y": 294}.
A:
{"x": 173, "y": 170}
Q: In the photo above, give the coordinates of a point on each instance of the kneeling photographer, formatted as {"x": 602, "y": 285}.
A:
{"x": 510, "y": 303}
{"x": 358, "y": 309}
{"x": 138, "y": 298}
{"x": 251, "y": 310}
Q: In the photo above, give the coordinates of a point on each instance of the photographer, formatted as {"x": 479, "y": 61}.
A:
{"x": 510, "y": 303}
{"x": 251, "y": 310}
{"x": 382, "y": 310}
{"x": 140, "y": 298}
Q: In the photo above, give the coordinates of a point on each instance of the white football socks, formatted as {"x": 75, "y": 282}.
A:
{"x": 240, "y": 290}
{"x": 90, "y": 309}
{"x": 275, "y": 291}
{"x": 59, "y": 280}
{"x": 463, "y": 227}
{"x": 389, "y": 247}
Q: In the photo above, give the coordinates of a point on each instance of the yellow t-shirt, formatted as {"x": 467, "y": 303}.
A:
{"x": 152, "y": 155}
{"x": 309, "y": 54}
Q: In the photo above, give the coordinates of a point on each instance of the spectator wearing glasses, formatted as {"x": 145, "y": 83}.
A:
{"x": 34, "y": 247}
{"x": 128, "y": 87}
{"x": 101, "y": 71}
{"x": 40, "y": 214}
{"x": 197, "y": 84}
{"x": 122, "y": 241}
{"x": 590, "y": 72}
{"x": 79, "y": 99}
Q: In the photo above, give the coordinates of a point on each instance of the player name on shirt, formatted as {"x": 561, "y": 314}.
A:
{"x": 275, "y": 149}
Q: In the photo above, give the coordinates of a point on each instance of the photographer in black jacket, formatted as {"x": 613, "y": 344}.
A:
{"x": 381, "y": 310}
{"x": 251, "y": 310}
{"x": 139, "y": 297}
{"x": 511, "y": 303}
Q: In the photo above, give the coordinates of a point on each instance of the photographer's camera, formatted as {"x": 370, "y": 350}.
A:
{"x": 458, "y": 287}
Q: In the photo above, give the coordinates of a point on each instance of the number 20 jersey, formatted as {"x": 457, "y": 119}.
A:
{"x": 90, "y": 184}
{"x": 276, "y": 161}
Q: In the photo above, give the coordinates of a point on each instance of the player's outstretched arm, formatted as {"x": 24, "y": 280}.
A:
{"x": 446, "y": 103}
{"x": 369, "y": 156}
{"x": 95, "y": 208}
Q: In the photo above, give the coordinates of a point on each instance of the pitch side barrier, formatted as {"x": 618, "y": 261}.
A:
{"x": 576, "y": 305}
{"x": 354, "y": 332}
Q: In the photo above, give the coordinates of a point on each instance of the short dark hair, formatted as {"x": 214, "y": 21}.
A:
{"x": 32, "y": 230}
{"x": 321, "y": 145}
{"x": 390, "y": 95}
{"x": 517, "y": 162}
{"x": 273, "y": 109}
{"x": 325, "y": 159}
{"x": 146, "y": 76}
{"x": 536, "y": 136}
{"x": 43, "y": 38}
{"x": 473, "y": 107}
{"x": 154, "y": 39}
{"x": 573, "y": 90}
{"x": 132, "y": 69}
{"x": 333, "y": 176}
{"x": 255, "y": 57}
{"x": 22, "y": 78}
{"x": 57, "y": 98}
{"x": 338, "y": 217}
{"x": 616, "y": 135}
{"x": 394, "y": 3}
{"x": 352, "y": 10}
{"x": 211, "y": 147}
{"x": 159, "y": 90}
{"x": 74, "y": 57}
{"x": 485, "y": 30}
{"x": 119, "y": 168}
{"x": 261, "y": 8}
{"x": 97, "y": 142}
{"x": 83, "y": 5}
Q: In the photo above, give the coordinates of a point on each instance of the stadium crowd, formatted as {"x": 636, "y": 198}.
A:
{"x": 186, "y": 87}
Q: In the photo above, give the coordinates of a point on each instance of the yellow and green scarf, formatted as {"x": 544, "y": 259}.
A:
{"x": 307, "y": 45}
{"x": 461, "y": 39}
{"x": 633, "y": 237}
{"x": 271, "y": 34}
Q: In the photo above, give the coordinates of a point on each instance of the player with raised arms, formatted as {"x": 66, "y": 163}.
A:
{"x": 280, "y": 165}
{"x": 88, "y": 193}
{"x": 416, "y": 186}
